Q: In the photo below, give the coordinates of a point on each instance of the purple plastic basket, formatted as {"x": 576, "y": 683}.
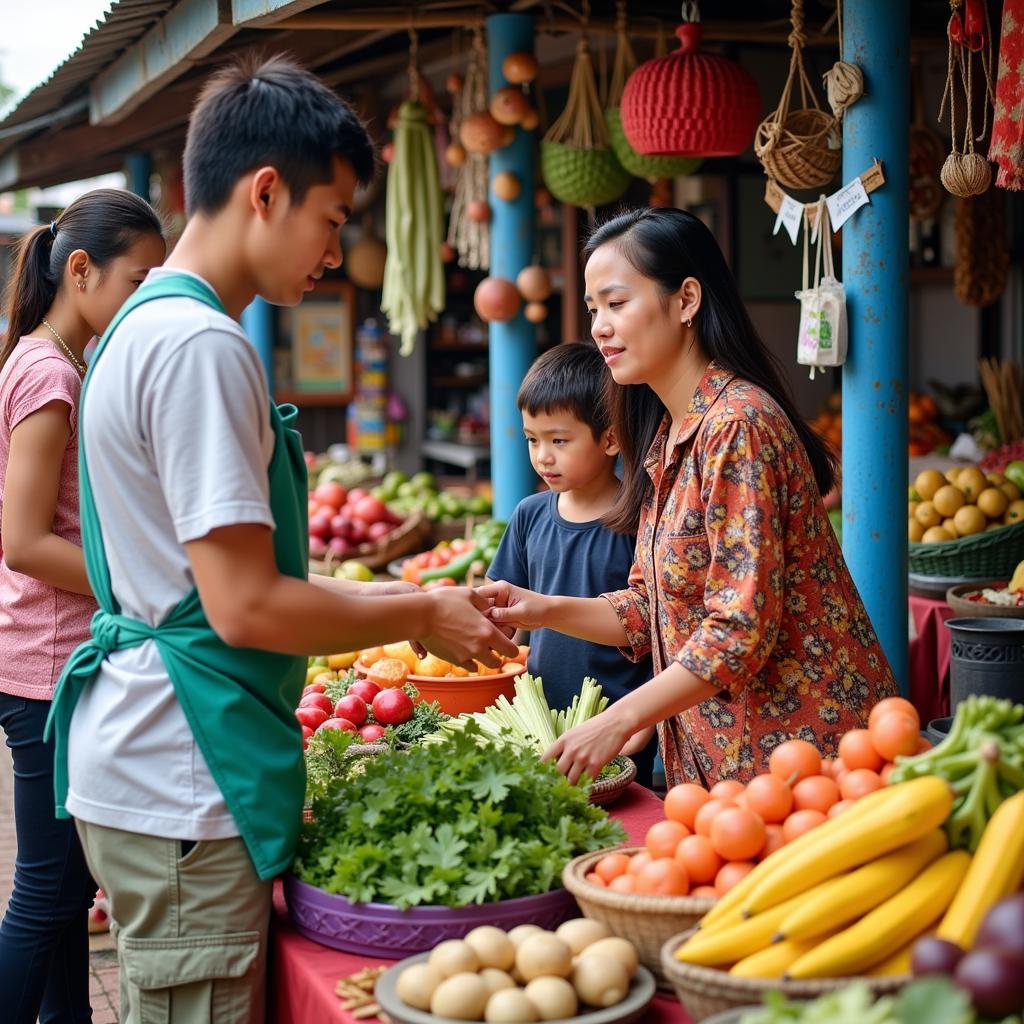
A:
{"x": 379, "y": 929}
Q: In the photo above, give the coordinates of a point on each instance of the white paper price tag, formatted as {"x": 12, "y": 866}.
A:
{"x": 791, "y": 213}
{"x": 844, "y": 203}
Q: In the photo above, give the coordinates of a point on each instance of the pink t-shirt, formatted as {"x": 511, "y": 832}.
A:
{"x": 40, "y": 625}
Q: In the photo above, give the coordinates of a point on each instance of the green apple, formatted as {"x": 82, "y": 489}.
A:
{"x": 1014, "y": 472}
{"x": 354, "y": 570}
{"x": 423, "y": 481}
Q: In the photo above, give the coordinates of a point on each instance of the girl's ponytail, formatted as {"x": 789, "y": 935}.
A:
{"x": 31, "y": 290}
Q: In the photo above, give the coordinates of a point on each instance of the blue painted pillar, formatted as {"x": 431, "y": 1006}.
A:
{"x": 258, "y": 323}
{"x": 513, "y": 345}
{"x": 875, "y": 272}
{"x": 137, "y": 168}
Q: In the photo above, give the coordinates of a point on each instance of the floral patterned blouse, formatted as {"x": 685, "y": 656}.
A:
{"x": 739, "y": 577}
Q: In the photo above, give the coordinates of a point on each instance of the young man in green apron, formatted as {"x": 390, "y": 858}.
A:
{"x": 177, "y": 750}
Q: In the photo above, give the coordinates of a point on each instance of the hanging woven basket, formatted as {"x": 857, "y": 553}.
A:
{"x": 799, "y": 148}
{"x": 576, "y": 161}
{"x": 690, "y": 104}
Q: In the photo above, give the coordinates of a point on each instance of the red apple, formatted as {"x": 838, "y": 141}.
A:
{"x": 392, "y": 706}
{"x": 340, "y": 525}
{"x": 314, "y": 688}
{"x": 331, "y": 493}
{"x": 371, "y": 733}
{"x": 352, "y": 707}
{"x": 369, "y": 509}
{"x": 311, "y": 717}
{"x": 337, "y": 723}
{"x": 318, "y": 700}
{"x": 357, "y": 494}
{"x": 357, "y": 531}
{"x": 365, "y": 689}
{"x": 377, "y": 531}
{"x": 339, "y": 547}
{"x": 320, "y": 526}
{"x": 317, "y": 547}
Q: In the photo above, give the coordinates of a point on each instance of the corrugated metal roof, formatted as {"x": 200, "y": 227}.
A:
{"x": 124, "y": 24}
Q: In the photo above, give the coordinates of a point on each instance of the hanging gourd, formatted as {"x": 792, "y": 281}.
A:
{"x": 519, "y": 68}
{"x": 534, "y": 283}
{"x": 365, "y": 261}
{"x": 509, "y": 105}
{"x": 577, "y": 162}
{"x": 650, "y": 167}
{"x": 469, "y": 228}
{"x": 966, "y": 173}
{"x": 496, "y": 299}
{"x": 799, "y": 148}
{"x": 507, "y": 186}
{"x": 414, "y": 287}
{"x": 690, "y": 103}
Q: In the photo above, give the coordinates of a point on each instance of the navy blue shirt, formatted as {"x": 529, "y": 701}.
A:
{"x": 550, "y": 555}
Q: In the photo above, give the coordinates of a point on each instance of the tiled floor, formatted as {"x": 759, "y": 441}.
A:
{"x": 103, "y": 959}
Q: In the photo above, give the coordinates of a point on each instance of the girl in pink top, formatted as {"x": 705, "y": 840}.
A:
{"x": 71, "y": 278}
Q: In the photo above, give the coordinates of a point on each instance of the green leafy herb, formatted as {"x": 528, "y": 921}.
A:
{"x": 449, "y": 823}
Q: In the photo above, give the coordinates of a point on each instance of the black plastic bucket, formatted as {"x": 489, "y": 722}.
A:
{"x": 987, "y": 658}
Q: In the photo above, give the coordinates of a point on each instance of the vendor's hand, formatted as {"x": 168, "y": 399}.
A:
{"x": 461, "y": 632}
{"x": 390, "y": 587}
{"x": 514, "y": 607}
{"x": 588, "y": 747}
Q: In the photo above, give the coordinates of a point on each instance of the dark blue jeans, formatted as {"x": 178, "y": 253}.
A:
{"x": 44, "y": 939}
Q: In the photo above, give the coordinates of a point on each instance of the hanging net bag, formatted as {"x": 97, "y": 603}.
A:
{"x": 799, "y": 148}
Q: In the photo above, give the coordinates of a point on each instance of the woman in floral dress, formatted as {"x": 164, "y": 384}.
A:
{"x": 739, "y": 589}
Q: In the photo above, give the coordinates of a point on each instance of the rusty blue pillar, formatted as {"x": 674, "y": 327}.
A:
{"x": 512, "y": 345}
{"x": 876, "y": 36}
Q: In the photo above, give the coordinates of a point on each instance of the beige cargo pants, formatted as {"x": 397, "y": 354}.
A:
{"x": 191, "y": 931}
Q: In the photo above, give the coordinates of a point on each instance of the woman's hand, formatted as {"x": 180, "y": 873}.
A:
{"x": 589, "y": 747}
{"x": 515, "y": 608}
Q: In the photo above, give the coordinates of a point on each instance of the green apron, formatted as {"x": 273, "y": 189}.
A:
{"x": 239, "y": 702}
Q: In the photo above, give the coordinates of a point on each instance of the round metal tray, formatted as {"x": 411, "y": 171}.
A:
{"x": 936, "y": 586}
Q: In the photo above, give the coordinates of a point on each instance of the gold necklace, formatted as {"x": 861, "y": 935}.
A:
{"x": 60, "y": 341}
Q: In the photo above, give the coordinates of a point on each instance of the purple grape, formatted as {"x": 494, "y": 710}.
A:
{"x": 1003, "y": 926}
{"x": 935, "y": 956}
{"x": 994, "y": 978}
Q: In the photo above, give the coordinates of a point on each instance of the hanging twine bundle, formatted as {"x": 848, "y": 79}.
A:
{"x": 471, "y": 239}
{"x": 982, "y": 250}
{"x": 844, "y": 82}
{"x": 966, "y": 173}
{"x": 799, "y": 148}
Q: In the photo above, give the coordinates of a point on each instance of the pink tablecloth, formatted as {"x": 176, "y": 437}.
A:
{"x": 929, "y": 658}
{"x": 303, "y": 974}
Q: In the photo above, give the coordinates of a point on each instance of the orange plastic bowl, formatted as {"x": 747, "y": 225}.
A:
{"x": 463, "y": 694}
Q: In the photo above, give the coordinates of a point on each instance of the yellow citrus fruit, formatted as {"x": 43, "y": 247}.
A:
{"x": 950, "y": 527}
{"x": 926, "y": 515}
{"x": 993, "y": 502}
{"x": 432, "y": 665}
{"x": 994, "y": 526}
{"x": 972, "y": 482}
{"x": 915, "y": 531}
{"x": 936, "y": 535}
{"x": 969, "y": 520}
{"x": 952, "y": 473}
{"x": 995, "y": 479}
{"x": 1011, "y": 490}
{"x": 1015, "y": 513}
{"x": 948, "y": 499}
{"x": 403, "y": 652}
{"x": 912, "y": 508}
{"x": 928, "y": 482}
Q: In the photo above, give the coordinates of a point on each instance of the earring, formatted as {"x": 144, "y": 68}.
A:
{"x": 81, "y": 286}
{"x": 689, "y": 323}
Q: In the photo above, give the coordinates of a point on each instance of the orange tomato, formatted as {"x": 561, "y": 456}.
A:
{"x": 858, "y": 783}
{"x": 836, "y": 809}
{"x": 894, "y": 734}
{"x": 885, "y": 773}
{"x": 663, "y": 838}
{"x": 828, "y": 765}
{"x": 638, "y": 862}
{"x": 770, "y": 797}
{"x": 774, "y": 839}
{"x": 800, "y": 822}
{"x": 624, "y": 883}
{"x": 702, "y": 823}
{"x": 664, "y": 876}
{"x": 704, "y": 892}
{"x": 923, "y": 745}
{"x": 883, "y": 707}
{"x": 737, "y": 834}
{"x": 611, "y": 865}
{"x": 682, "y": 803}
{"x": 815, "y": 793}
{"x": 698, "y": 857}
{"x": 727, "y": 789}
{"x": 857, "y": 751}
{"x": 732, "y": 873}
{"x": 595, "y": 879}
{"x": 794, "y": 759}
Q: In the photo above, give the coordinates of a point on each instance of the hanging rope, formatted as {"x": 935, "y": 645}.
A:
{"x": 844, "y": 82}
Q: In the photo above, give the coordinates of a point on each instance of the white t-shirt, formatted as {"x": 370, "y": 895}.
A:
{"x": 178, "y": 441}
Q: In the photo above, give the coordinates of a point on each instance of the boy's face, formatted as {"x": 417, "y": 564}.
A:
{"x": 295, "y": 243}
{"x": 563, "y": 450}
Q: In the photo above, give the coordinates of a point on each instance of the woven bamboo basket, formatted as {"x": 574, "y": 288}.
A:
{"x": 993, "y": 555}
{"x": 796, "y": 151}
{"x": 408, "y": 537}
{"x": 705, "y": 991}
{"x": 607, "y": 791}
{"x": 582, "y": 177}
{"x": 647, "y": 921}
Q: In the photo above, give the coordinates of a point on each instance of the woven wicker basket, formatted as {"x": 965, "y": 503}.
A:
{"x": 607, "y": 791}
{"x": 796, "y": 152}
{"x": 992, "y": 555}
{"x": 705, "y": 991}
{"x": 647, "y": 921}
{"x": 582, "y": 177}
{"x": 408, "y": 537}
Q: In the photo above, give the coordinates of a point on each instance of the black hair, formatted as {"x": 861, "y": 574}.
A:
{"x": 667, "y": 246}
{"x": 570, "y": 378}
{"x": 255, "y": 112}
{"x": 104, "y": 223}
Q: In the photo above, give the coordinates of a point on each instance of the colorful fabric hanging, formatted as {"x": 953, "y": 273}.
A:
{"x": 1007, "y": 148}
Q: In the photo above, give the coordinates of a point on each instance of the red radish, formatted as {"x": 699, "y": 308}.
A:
{"x": 369, "y": 509}
{"x": 317, "y": 547}
{"x": 377, "y": 531}
{"x": 331, "y": 493}
{"x": 356, "y": 494}
{"x": 357, "y": 531}
{"x": 340, "y": 524}
{"x": 392, "y": 706}
{"x": 340, "y": 547}
{"x": 314, "y": 688}
{"x": 365, "y": 689}
{"x": 310, "y": 718}
{"x": 351, "y": 707}
{"x": 320, "y": 526}
{"x": 318, "y": 700}
{"x": 371, "y": 733}
{"x": 337, "y": 723}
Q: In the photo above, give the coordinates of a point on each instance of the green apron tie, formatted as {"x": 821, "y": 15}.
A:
{"x": 239, "y": 702}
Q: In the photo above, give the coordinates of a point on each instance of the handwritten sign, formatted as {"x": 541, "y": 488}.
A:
{"x": 843, "y": 204}
{"x": 791, "y": 214}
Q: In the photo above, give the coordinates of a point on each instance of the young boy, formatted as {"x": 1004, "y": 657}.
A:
{"x": 556, "y": 543}
{"x": 177, "y": 749}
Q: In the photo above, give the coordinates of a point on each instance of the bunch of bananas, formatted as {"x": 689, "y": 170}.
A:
{"x": 982, "y": 758}
{"x": 847, "y": 898}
